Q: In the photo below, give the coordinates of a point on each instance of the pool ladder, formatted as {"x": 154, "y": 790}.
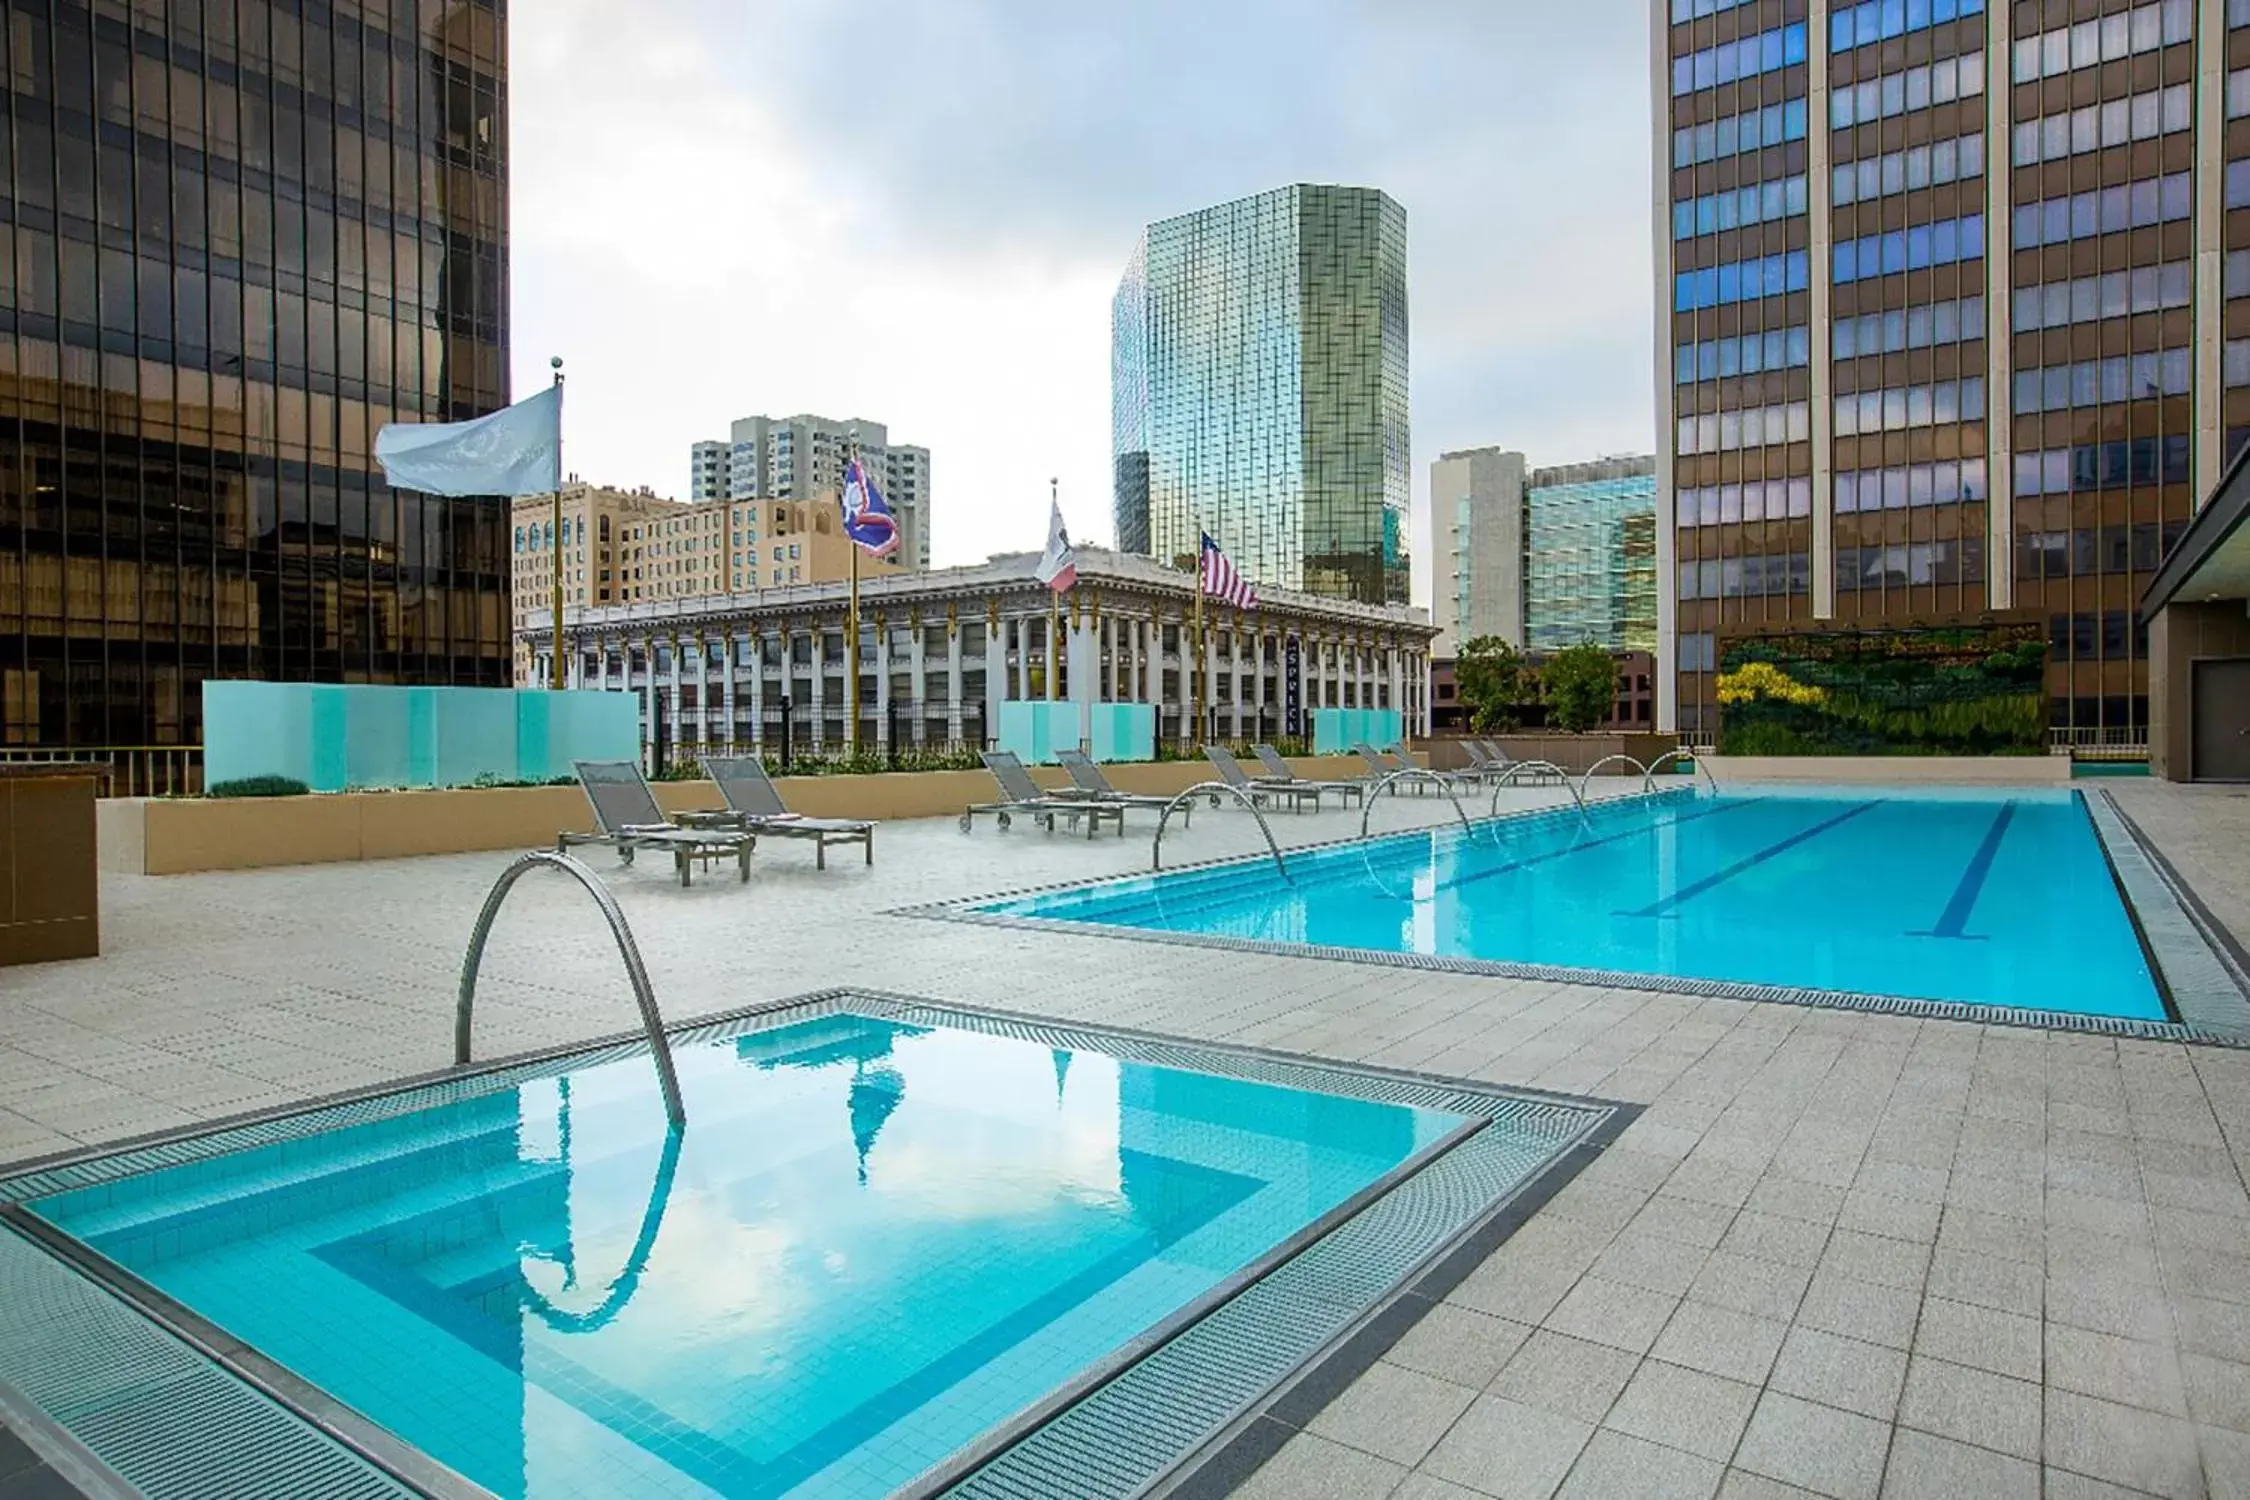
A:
{"x": 659, "y": 1048}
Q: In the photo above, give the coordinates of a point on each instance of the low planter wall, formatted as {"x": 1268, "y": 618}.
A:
{"x": 1894, "y": 770}
{"x": 1572, "y": 752}
{"x": 179, "y": 836}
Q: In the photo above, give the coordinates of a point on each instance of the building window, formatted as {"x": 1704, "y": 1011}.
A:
{"x": 2101, "y": 466}
{"x": 1906, "y": 564}
{"x": 2123, "y": 33}
{"x": 1752, "y": 130}
{"x": 1755, "y": 427}
{"x": 1780, "y": 198}
{"x": 1908, "y": 486}
{"x": 1721, "y": 359}
{"x": 2057, "y": 304}
{"x": 1699, "y": 652}
{"x": 2100, "y": 382}
{"x": 1755, "y": 576}
{"x": 1753, "y": 500}
{"x": 1924, "y": 166}
{"x": 1903, "y": 407}
{"x": 2110, "y": 210}
{"x": 1745, "y": 57}
{"x": 1941, "y": 82}
{"x": 2114, "y": 122}
{"x": 1740, "y": 281}
{"x": 1915, "y": 249}
{"x": 1879, "y": 20}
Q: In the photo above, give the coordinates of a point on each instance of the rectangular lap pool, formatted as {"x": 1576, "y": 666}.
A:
{"x": 1994, "y": 899}
{"x": 885, "y": 1236}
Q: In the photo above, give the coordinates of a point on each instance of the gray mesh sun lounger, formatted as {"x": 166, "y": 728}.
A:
{"x": 628, "y": 820}
{"x": 1260, "y": 790}
{"x": 1279, "y": 774}
{"x": 1021, "y": 796}
{"x": 1088, "y": 782}
{"x": 754, "y": 803}
{"x": 1500, "y": 762}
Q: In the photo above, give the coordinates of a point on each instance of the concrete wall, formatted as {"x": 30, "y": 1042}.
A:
{"x": 2179, "y": 635}
{"x": 178, "y": 836}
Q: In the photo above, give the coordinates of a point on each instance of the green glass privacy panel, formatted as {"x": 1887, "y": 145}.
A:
{"x": 1035, "y": 730}
{"x": 1336, "y": 730}
{"x": 1123, "y": 731}
{"x": 332, "y": 736}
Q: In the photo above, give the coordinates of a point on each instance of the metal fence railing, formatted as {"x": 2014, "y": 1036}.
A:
{"x": 133, "y": 770}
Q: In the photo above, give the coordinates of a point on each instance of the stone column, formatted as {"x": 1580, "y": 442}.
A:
{"x": 1021, "y": 626}
{"x": 953, "y": 705}
{"x": 915, "y": 650}
{"x": 1258, "y": 681}
{"x": 882, "y": 681}
{"x": 819, "y": 694}
{"x": 995, "y": 668}
{"x": 601, "y": 669}
{"x": 648, "y": 697}
{"x": 726, "y": 687}
{"x": 1234, "y": 680}
{"x": 672, "y": 709}
{"x": 757, "y": 643}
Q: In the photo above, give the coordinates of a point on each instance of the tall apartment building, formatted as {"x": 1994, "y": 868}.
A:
{"x": 244, "y": 238}
{"x": 1258, "y": 390}
{"x": 1589, "y": 548}
{"x": 1948, "y": 325}
{"x": 796, "y": 458}
{"x": 1476, "y": 515}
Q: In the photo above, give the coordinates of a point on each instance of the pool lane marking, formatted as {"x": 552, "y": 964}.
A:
{"x": 1954, "y": 920}
{"x": 1664, "y": 906}
{"x": 1732, "y": 804}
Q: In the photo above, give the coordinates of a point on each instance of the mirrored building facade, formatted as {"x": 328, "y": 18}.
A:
{"x": 1259, "y": 369}
{"x": 1954, "y": 321}
{"x": 1589, "y": 573}
{"x": 244, "y": 234}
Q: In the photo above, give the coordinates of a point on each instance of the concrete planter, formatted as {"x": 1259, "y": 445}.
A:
{"x": 179, "y": 836}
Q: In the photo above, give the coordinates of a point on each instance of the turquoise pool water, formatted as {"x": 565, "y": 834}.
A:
{"x": 1991, "y": 899}
{"x": 873, "y": 1243}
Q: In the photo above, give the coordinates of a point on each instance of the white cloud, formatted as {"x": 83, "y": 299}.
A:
{"x": 720, "y": 211}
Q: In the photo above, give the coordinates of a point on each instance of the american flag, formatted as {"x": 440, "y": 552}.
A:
{"x": 1221, "y": 581}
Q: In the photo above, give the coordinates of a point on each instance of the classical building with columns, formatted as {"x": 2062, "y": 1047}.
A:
{"x": 940, "y": 651}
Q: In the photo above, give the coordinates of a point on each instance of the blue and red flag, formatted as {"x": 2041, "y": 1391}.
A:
{"x": 867, "y": 516}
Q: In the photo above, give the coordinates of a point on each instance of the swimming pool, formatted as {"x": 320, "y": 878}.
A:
{"x": 1974, "y": 898}
{"x": 888, "y": 1237}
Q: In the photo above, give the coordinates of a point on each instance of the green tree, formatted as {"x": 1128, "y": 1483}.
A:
{"x": 1489, "y": 677}
{"x": 1580, "y": 685}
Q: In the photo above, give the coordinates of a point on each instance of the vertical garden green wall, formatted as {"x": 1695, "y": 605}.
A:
{"x": 1976, "y": 690}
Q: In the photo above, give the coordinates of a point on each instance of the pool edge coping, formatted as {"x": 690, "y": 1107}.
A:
{"x": 2171, "y": 887}
{"x": 418, "y": 1472}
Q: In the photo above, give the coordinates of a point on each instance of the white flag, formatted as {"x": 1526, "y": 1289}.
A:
{"x": 516, "y": 451}
{"x": 1058, "y": 566}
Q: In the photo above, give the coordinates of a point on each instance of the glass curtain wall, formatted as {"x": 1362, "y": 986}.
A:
{"x": 241, "y": 235}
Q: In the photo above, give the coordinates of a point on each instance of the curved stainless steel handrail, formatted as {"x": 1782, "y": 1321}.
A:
{"x": 1203, "y": 788}
{"x": 1410, "y": 773}
{"x": 1688, "y": 751}
{"x": 1536, "y": 765}
{"x": 660, "y": 1051}
{"x": 620, "y": 1291}
{"x": 1588, "y": 774}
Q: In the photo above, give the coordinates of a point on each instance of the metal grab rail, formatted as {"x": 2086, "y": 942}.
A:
{"x": 1687, "y": 752}
{"x": 1201, "y": 788}
{"x": 620, "y": 1291}
{"x": 1535, "y": 765}
{"x": 1367, "y": 803}
{"x": 660, "y": 1050}
{"x": 1588, "y": 774}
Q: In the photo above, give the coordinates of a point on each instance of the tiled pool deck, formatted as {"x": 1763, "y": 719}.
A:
{"x": 1841, "y": 1254}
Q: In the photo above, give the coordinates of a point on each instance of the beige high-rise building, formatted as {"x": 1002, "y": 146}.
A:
{"x": 1476, "y": 525}
{"x": 799, "y": 457}
{"x": 635, "y": 547}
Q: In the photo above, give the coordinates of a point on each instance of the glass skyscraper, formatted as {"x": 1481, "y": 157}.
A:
{"x": 244, "y": 235}
{"x": 1590, "y": 556}
{"x": 1258, "y": 367}
{"x": 1951, "y": 320}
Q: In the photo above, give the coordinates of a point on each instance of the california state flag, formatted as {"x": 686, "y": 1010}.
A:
{"x": 1058, "y": 568}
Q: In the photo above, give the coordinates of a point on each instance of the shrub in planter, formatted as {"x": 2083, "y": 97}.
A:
{"x": 258, "y": 786}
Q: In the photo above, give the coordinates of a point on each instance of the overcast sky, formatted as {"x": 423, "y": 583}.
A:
{"x": 916, "y": 211}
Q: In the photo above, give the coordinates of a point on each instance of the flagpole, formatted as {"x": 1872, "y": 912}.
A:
{"x": 1195, "y": 674}
{"x": 851, "y": 653}
{"x": 556, "y": 677}
{"x": 1054, "y": 612}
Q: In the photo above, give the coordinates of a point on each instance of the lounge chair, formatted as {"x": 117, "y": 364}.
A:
{"x": 1396, "y": 759}
{"x": 1380, "y": 765}
{"x": 1020, "y": 795}
{"x": 754, "y": 803}
{"x": 1088, "y": 782}
{"x": 628, "y": 820}
{"x": 1503, "y": 763}
{"x": 1260, "y": 790}
{"x": 1279, "y": 774}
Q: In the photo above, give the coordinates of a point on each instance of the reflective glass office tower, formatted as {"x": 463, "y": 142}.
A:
{"x": 1589, "y": 571}
{"x": 1258, "y": 371}
{"x": 245, "y": 234}
{"x": 1948, "y": 319}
